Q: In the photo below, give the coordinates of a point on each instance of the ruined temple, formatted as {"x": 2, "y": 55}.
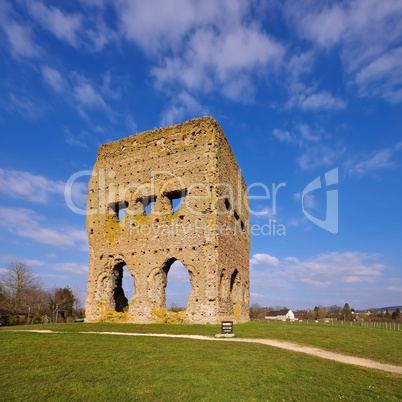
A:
{"x": 145, "y": 176}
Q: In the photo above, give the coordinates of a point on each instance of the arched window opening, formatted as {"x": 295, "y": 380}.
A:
{"x": 118, "y": 209}
{"x": 178, "y": 286}
{"x": 224, "y": 285}
{"x": 235, "y": 286}
{"x": 176, "y": 198}
{"x": 128, "y": 284}
{"x": 122, "y": 211}
{"x": 148, "y": 203}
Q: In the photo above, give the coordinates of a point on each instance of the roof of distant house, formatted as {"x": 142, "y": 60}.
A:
{"x": 276, "y": 313}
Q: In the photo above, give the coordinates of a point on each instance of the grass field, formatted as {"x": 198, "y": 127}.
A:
{"x": 88, "y": 367}
{"x": 371, "y": 343}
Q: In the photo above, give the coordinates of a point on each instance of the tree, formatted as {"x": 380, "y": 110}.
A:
{"x": 61, "y": 302}
{"x": 334, "y": 311}
{"x": 79, "y": 301}
{"x": 396, "y": 314}
{"x": 278, "y": 308}
{"x": 19, "y": 286}
{"x": 175, "y": 308}
{"x": 346, "y": 312}
{"x": 255, "y": 311}
{"x": 320, "y": 312}
{"x": 2, "y": 297}
{"x": 38, "y": 307}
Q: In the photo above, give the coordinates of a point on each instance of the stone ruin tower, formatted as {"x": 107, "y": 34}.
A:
{"x": 209, "y": 233}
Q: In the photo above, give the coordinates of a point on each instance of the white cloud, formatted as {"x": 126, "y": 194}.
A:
{"x": 87, "y": 30}
{"x": 318, "y": 156}
{"x": 6, "y": 259}
{"x": 178, "y": 272}
{"x": 382, "y": 77}
{"x": 304, "y": 91}
{"x": 367, "y": 34}
{"x": 87, "y": 96}
{"x": 264, "y": 259}
{"x": 307, "y": 135}
{"x": 321, "y": 100}
{"x": 312, "y": 142}
{"x": 130, "y": 123}
{"x": 20, "y": 36}
{"x": 369, "y": 163}
{"x": 62, "y": 25}
{"x": 308, "y": 98}
{"x": 76, "y": 140}
{"x": 315, "y": 152}
{"x": 53, "y": 78}
{"x": 211, "y": 45}
{"x": 348, "y": 23}
{"x": 26, "y": 223}
{"x": 26, "y": 106}
{"x": 309, "y": 200}
{"x": 183, "y": 105}
{"x": 324, "y": 25}
{"x": 36, "y": 188}
{"x": 70, "y": 267}
{"x": 157, "y": 25}
{"x": 107, "y": 89}
{"x": 300, "y": 64}
{"x": 296, "y": 222}
{"x": 94, "y": 3}
{"x": 326, "y": 269}
{"x": 320, "y": 271}
{"x": 283, "y": 136}
{"x": 100, "y": 34}
{"x": 220, "y": 60}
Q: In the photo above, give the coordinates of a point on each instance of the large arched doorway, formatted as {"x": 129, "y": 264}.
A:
{"x": 116, "y": 286}
{"x": 119, "y": 299}
{"x": 176, "y": 279}
{"x": 178, "y": 286}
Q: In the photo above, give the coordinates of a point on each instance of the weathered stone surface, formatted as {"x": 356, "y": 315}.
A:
{"x": 209, "y": 233}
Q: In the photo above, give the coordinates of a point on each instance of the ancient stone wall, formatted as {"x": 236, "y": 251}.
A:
{"x": 209, "y": 233}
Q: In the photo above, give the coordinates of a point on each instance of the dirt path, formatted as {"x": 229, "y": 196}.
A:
{"x": 294, "y": 347}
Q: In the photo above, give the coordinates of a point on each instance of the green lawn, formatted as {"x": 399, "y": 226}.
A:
{"x": 371, "y": 343}
{"x": 90, "y": 367}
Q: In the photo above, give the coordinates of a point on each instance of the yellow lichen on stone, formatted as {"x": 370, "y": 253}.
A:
{"x": 164, "y": 316}
{"x": 112, "y": 228}
{"x": 114, "y": 316}
{"x": 237, "y": 310}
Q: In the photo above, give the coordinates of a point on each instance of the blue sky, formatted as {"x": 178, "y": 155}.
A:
{"x": 300, "y": 88}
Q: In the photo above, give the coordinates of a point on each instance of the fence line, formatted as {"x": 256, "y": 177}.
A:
{"x": 393, "y": 326}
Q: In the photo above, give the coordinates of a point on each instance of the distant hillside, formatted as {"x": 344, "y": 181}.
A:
{"x": 390, "y": 308}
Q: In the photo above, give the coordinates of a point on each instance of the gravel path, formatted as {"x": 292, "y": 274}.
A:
{"x": 294, "y": 347}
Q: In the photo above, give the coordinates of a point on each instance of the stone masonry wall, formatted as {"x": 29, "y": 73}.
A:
{"x": 209, "y": 233}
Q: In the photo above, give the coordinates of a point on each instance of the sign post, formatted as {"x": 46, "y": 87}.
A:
{"x": 226, "y": 330}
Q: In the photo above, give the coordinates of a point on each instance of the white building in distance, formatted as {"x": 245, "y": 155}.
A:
{"x": 280, "y": 315}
